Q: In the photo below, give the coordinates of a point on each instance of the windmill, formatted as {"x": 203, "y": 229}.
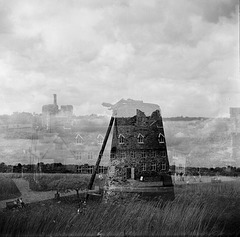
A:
{"x": 139, "y": 160}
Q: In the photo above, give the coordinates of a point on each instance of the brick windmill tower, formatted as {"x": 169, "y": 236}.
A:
{"x": 139, "y": 161}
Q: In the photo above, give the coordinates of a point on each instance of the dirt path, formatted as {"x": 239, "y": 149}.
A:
{"x": 28, "y": 195}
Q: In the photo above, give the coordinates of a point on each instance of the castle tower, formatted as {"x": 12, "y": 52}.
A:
{"x": 139, "y": 159}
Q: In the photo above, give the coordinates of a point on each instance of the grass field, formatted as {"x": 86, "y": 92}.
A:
{"x": 8, "y": 188}
{"x": 199, "y": 210}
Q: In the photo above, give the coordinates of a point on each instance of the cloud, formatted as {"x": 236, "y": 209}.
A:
{"x": 179, "y": 54}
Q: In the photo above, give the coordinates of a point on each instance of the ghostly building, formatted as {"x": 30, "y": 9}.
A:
{"x": 53, "y": 117}
{"x": 235, "y": 122}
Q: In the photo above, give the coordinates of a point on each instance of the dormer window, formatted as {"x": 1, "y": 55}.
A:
{"x": 121, "y": 139}
{"x": 100, "y": 139}
{"x": 161, "y": 138}
{"x": 79, "y": 139}
{"x": 140, "y": 138}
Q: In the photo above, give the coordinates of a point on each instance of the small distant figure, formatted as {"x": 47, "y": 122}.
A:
{"x": 200, "y": 178}
{"x": 141, "y": 178}
{"x": 21, "y": 203}
{"x": 81, "y": 207}
{"x": 84, "y": 207}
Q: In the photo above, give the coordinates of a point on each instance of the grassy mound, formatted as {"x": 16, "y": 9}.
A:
{"x": 8, "y": 189}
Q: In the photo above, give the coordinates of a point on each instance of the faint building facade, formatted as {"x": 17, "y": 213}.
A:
{"x": 235, "y": 135}
{"x": 178, "y": 162}
{"x": 53, "y": 117}
{"x": 73, "y": 148}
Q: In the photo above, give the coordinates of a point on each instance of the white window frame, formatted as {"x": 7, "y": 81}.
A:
{"x": 100, "y": 139}
{"x": 163, "y": 166}
{"x": 153, "y": 166}
{"x": 121, "y": 139}
{"x": 161, "y": 138}
{"x": 144, "y": 166}
{"x": 144, "y": 154}
{"x": 140, "y": 138}
{"x": 132, "y": 154}
{"x": 79, "y": 140}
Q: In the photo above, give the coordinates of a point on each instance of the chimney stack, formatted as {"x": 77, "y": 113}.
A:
{"x": 55, "y": 99}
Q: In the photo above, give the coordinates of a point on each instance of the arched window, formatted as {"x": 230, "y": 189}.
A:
{"x": 121, "y": 139}
{"x": 161, "y": 138}
{"x": 140, "y": 138}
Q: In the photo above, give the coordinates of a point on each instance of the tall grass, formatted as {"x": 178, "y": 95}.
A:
{"x": 8, "y": 188}
{"x": 206, "y": 211}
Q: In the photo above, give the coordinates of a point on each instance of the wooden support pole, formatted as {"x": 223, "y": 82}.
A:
{"x": 100, "y": 154}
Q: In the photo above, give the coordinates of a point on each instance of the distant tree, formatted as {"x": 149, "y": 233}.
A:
{"x": 3, "y": 167}
{"x": 22, "y": 118}
{"x": 69, "y": 183}
{"x": 5, "y": 118}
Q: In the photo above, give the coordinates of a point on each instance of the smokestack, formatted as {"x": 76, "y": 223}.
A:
{"x": 55, "y": 99}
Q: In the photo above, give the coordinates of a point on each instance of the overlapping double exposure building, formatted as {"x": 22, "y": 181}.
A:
{"x": 138, "y": 149}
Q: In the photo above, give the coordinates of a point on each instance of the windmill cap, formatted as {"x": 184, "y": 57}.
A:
{"x": 129, "y": 107}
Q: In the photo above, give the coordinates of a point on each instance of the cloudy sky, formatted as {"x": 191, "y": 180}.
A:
{"x": 180, "y": 54}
